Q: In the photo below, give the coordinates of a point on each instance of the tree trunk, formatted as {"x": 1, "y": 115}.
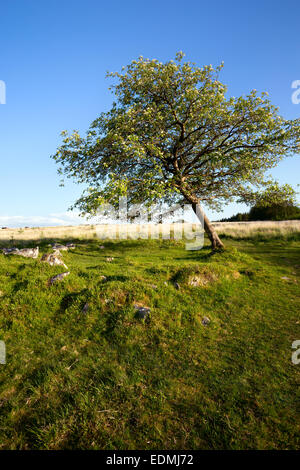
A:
{"x": 209, "y": 229}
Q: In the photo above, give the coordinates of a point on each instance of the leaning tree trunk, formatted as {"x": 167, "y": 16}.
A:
{"x": 209, "y": 228}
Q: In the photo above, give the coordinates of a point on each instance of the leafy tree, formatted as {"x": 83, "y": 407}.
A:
{"x": 275, "y": 212}
{"x": 172, "y": 135}
{"x": 275, "y": 203}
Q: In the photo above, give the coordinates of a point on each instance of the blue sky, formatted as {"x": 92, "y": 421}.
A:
{"x": 54, "y": 57}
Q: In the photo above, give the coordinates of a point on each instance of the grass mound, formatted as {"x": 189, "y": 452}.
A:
{"x": 216, "y": 266}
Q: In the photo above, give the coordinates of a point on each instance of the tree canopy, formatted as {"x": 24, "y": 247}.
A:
{"x": 172, "y": 134}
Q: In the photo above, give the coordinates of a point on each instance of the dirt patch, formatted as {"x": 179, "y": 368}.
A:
{"x": 202, "y": 279}
{"x": 236, "y": 274}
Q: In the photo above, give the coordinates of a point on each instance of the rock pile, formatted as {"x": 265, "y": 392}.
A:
{"x": 53, "y": 259}
{"x": 25, "y": 252}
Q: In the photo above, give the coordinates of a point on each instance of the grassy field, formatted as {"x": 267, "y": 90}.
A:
{"x": 100, "y": 378}
{"x": 239, "y": 230}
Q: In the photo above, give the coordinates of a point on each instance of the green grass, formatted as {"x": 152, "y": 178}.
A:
{"x": 106, "y": 380}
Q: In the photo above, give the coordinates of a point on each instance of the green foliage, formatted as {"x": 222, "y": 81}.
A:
{"x": 275, "y": 212}
{"x": 173, "y": 134}
{"x": 273, "y": 195}
{"x": 274, "y": 203}
{"x": 101, "y": 379}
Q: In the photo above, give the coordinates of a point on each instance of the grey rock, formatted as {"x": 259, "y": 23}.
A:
{"x": 66, "y": 247}
{"x": 10, "y": 251}
{"x": 25, "y": 252}
{"x": 29, "y": 252}
{"x": 58, "y": 246}
{"x": 58, "y": 277}
{"x": 70, "y": 246}
{"x": 142, "y": 312}
{"x": 205, "y": 321}
{"x": 109, "y": 259}
{"x": 53, "y": 259}
{"x": 85, "y": 308}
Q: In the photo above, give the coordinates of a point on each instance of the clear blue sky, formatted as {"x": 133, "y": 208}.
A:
{"x": 54, "y": 56}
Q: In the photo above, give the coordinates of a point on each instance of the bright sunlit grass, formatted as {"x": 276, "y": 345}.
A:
{"x": 100, "y": 378}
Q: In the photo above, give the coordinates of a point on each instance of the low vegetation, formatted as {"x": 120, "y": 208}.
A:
{"x": 269, "y": 229}
{"x": 282, "y": 230}
{"x": 209, "y": 368}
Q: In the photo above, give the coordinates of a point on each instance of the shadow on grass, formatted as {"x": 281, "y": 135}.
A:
{"x": 70, "y": 298}
{"x": 19, "y": 286}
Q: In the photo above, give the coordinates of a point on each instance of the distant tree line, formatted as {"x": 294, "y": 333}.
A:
{"x": 272, "y": 212}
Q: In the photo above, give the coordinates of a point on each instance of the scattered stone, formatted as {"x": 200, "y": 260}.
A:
{"x": 109, "y": 259}
{"x": 66, "y": 247}
{"x": 29, "y": 252}
{"x": 142, "y": 312}
{"x": 288, "y": 279}
{"x": 25, "y": 252}
{"x": 103, "y": 278}
{"x": 58, "y": 246}
{"x": 10, "y": 251}
{"x": 176, "y": 285}
{"x": 58, "y": 277}
{"x": 205, "y": 321}
{"x": 71, "y": 246}
{"x": 85, "y": 308}
{"x": 53, "y": 260}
